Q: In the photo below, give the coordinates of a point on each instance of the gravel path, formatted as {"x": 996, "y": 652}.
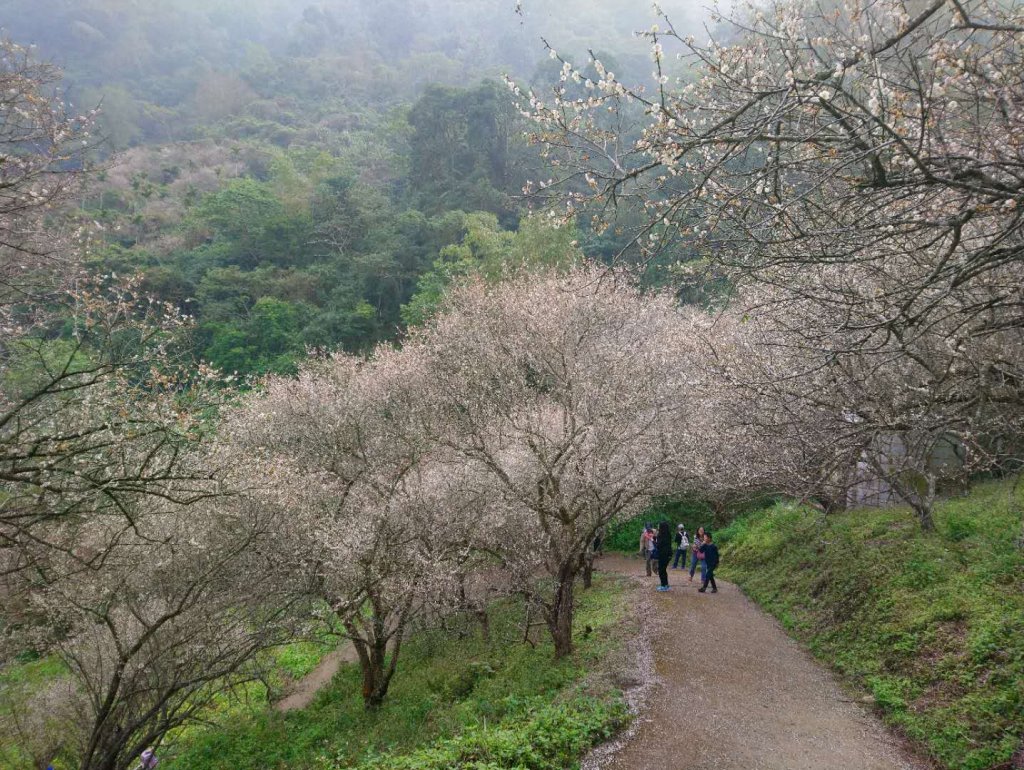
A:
{"x": 734, "y": 692}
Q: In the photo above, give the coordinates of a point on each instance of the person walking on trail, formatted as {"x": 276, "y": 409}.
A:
{"x": 710, "y": 562}
{"x": 647, "y": 546}
{"x": 697, "y": 554}
{"x": 682, "y": 543}
{"x": 664, "y": 553}
{"x": 147, "y": 760}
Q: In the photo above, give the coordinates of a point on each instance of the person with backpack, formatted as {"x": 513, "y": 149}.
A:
{"x": 697, "y": 554}
{"x": 647, "y": 547}
{"x": 664, "y": 545}
{"x": 710, "y": 562}
{"x": 682, "y": 543}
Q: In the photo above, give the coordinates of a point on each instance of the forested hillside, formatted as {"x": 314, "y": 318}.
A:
{"x": 287, "y": 174}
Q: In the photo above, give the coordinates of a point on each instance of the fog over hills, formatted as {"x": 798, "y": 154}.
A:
{"x": 162, "y": 69}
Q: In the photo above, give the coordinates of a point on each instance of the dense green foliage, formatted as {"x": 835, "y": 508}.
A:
{"x": 932, "y": 624}
{"x": 460, "y": 702}
{"x": 287, "y": 174}
{"x": 693, "y": 513}
{"x": 278, "y": 250}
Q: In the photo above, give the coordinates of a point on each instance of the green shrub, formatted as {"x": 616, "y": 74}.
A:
{"x": 545, "y": 737}
{"x": 960, "y": 527}
{"x": 889, "y": 693}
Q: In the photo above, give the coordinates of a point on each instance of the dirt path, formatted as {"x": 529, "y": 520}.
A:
{"x": 303, "y": 692}
{"x": 733, "y": 692}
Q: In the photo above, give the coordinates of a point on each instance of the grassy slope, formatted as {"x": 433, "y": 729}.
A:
{"x": 931, "y": 624}
{"x": 454, "y": 703}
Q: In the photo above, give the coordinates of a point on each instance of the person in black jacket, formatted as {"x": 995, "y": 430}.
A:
{"x": 710, "y": 561}
{"x": 664, "y": 553}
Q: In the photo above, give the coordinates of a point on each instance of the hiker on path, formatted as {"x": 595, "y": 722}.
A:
{"x": 710, "y": 562}
{"x": 664, "y": 553}
{"x": 647, "y": 546}
{"x": 697, "y": 554}
{"x": 682, "y": 543}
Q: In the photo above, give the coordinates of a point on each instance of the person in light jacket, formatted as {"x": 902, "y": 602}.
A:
{"x": 682, "y": 543}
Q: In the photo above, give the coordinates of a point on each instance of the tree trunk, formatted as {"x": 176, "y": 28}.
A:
{"x": 103, "y": 758}
{"x": 372, "y": 656}
{"x": 924, "y": 515}
{"x": 588, "y": 569}
{"x": 375, "y": 662}
{"x": 375, "y": 667}
{"x": 485, "y": 624}
{"x": 559, "y": 614}
{"x": 925, "y": 502}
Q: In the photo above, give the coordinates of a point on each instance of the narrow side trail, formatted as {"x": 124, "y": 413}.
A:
{"x": 302, "y": 693}
{"x": 733, "y": 692}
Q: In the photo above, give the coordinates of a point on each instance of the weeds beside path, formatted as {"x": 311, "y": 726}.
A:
{"x": 734, "y": 691}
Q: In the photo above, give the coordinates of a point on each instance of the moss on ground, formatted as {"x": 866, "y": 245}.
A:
{"x": 931, "y": 624}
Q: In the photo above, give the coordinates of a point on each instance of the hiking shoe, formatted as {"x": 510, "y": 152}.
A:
{"x": 701, "y": 590}
{"x": 714, "y": 590}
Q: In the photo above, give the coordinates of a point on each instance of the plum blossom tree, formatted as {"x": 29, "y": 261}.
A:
{"x": 565, "y": 393}
{"x": 40, "y": 720}
{"x": 822, "y": 134}
{"x": 800, "y": 410}
{"x": 371, "y": 523}
{"x": 856, "y": 171}
{"x": 178, "y": 615}
{"x": 100, "y": 560}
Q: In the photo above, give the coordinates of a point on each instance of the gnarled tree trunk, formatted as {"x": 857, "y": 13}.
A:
{"x": 559, "y": 612}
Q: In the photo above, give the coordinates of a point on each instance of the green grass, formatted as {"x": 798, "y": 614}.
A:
{"x": 931, "y": 624}
{"x": 17, "y": 681}
{"x": 454, "y": 703}
{"x": 32, "y": 671}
